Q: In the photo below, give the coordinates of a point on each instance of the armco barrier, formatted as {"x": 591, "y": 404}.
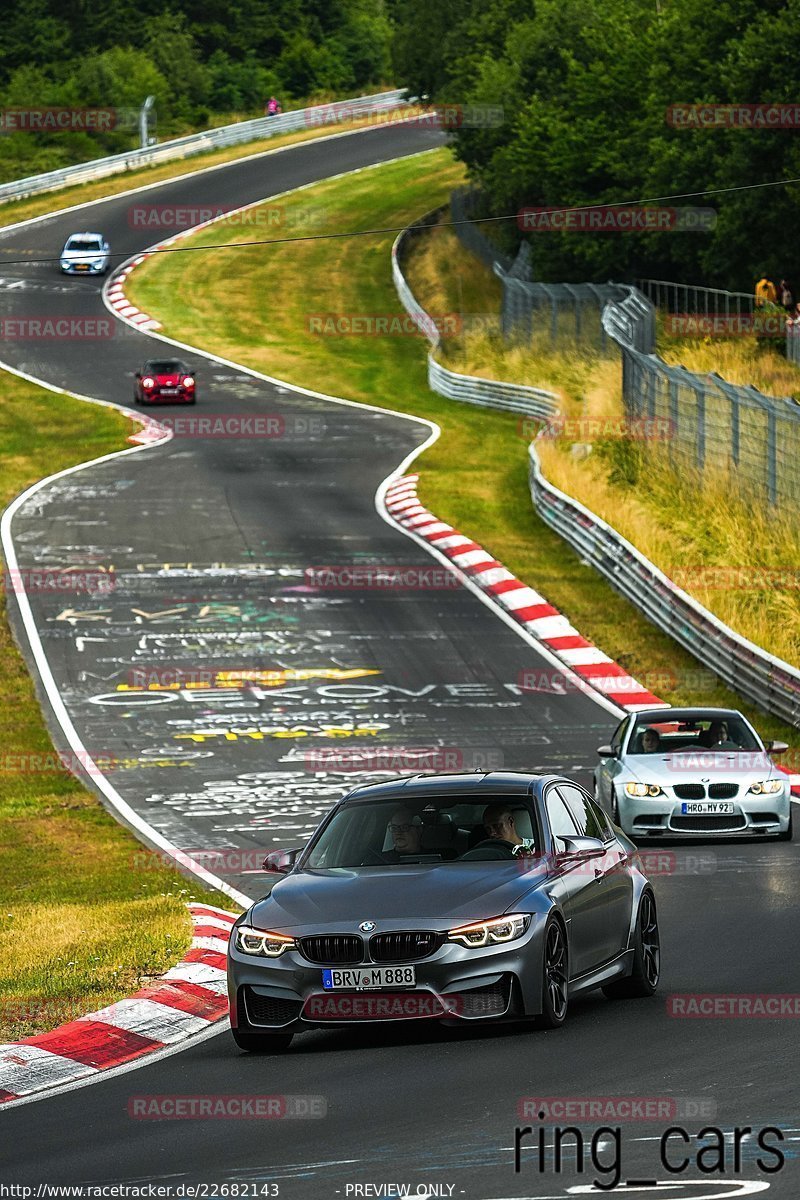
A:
{"x": 197, "y": 143}
{"x": 769, "y": 682}
{"x": 470, "y": 389}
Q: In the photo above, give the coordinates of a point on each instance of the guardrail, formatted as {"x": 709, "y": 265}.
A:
{"x": 197, "y": 143}
{"x": 470, "y": 389}
{"x": 769, "y": 682}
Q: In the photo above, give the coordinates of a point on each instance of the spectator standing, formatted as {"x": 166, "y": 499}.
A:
{"x": 766, "y": 292}
{"x": 787, "y": 296}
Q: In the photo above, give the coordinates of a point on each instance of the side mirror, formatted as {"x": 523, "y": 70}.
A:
{"x": 606, "y": 752}
{"x": 138, "y": 375}
{"x": 583, "y": 847}
{"x": 281, "y": 861}
{"x": 776, "y": 747}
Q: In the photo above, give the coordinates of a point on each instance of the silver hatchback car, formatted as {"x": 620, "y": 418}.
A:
{"x": 693, "y": 772}
{"x": 85, "y": 254}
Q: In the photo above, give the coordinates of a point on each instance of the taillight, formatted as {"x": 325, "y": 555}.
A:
{"x": 147, "y": 382}
{"x": 188, "y": 381}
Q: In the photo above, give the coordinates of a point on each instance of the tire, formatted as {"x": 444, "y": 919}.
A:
{"x": 555, "y": 977}
{"x": 646, "y": 970}
{"x": 787, "y": 836}
{"x": 261, "y": 1043}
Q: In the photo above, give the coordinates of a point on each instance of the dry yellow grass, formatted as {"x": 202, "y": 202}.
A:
{"x": 739, "y": 360}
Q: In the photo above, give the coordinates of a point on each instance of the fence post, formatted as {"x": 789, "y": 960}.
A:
{"x": 700, "y": 393}
{"x": 674, "y": 418}
{"x": 734, "y": 399}
{"x": 772, "y": 454}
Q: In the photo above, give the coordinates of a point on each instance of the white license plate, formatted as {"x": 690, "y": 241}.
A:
{"x": 348, "y": 978}
{"x": 716, "y": 808}
{"x": 169, "y": 391}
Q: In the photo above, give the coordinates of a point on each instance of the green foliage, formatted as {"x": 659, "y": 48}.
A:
{"x": 197, "y": 59}
{"x": 586, "y": 85}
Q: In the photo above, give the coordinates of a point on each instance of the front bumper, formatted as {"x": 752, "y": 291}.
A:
{"x": 93, "y": 268}
{"x": 454, "y": 983}
{"x": 157, "y": 396}
{"x": 663, "y": 816}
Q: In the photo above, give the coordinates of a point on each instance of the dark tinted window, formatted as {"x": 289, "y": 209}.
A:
{"x": 163, "y": 366}
{"x": 561, "y": 823}
{"x": 586, "y": 815}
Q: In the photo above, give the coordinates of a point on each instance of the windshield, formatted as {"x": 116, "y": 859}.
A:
{"x": 85, "y": 243}
{"x": 388, "y": 832}
{"x": 727, "y": 733}
{"x": 165, "y": 367}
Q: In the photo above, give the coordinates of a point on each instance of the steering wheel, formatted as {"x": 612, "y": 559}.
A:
{"x": 493, "y": 843}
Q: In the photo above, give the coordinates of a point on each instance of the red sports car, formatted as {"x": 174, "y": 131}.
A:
{"x": 165, "y": 381}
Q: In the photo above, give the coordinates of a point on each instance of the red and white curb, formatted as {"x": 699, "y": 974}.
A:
{"x": 184, "y": 1001}
{"x": 122, "y": 305}
{"x": 518, "y": 600}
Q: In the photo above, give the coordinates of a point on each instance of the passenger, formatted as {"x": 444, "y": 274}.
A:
{"x": 651, "y": 741}
{"x": 498, "y": 821}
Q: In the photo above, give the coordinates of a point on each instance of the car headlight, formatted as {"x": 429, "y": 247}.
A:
{"x": 766, "y": 787}
{"x": 259, "y": 942}
{"x": 643, "y": 789}
{"x": 490, "y": 933}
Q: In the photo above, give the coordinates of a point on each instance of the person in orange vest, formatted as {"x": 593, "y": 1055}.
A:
{"x": 766, "y": 292}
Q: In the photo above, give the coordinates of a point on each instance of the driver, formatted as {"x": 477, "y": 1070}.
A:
{"x": 406, "y": 836}
{"x": 498, "y": 821}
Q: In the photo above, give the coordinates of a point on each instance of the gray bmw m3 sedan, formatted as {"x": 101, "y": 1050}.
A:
{"x": 469, "y": 897}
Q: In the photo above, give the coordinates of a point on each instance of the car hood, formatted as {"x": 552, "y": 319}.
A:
{"x": 338, "y": 900}
{"x": 714, "y": 766}
{"x": 167, "y": 379}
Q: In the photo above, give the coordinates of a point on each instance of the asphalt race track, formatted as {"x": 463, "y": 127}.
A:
{"x": 211, "y": 546}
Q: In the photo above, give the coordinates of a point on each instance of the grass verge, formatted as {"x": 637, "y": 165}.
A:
{"x": 475, "y": 476}
{"x": 79, "y": 926}
{"x": 12, "y": 211}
